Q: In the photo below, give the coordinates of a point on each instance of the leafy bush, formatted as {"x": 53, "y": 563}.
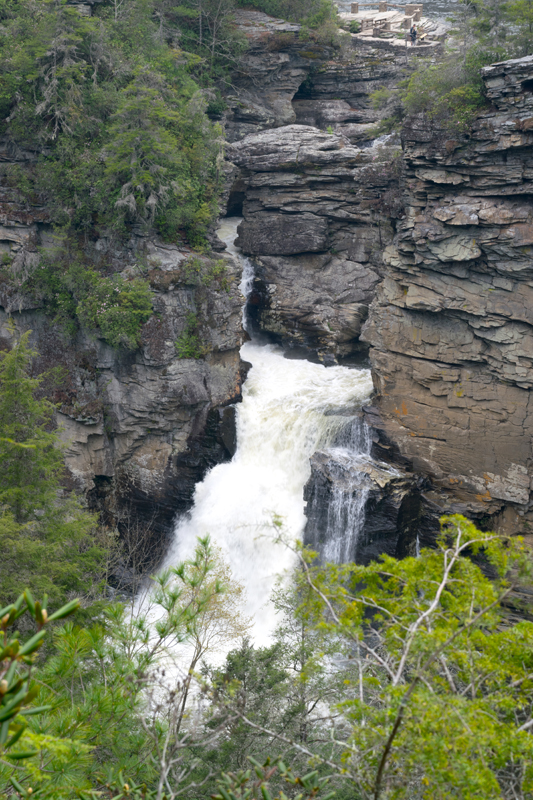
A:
{"x": 77, "y": 294}
{"x": 117, "y": 308}
{"x": 445, "y": 93}
{"x": 188, "y": 343}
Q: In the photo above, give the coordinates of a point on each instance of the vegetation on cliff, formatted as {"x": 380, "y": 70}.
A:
{"x": 450, "y": 91}
{"x": 115, "y": 111}
{"x": 48, "y": 540}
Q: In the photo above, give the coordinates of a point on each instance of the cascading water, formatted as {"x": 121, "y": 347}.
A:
{"x": 347, "y": 505}
{"x": 289, "y": 410}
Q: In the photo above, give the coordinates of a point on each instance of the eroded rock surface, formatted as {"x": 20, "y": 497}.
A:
{"x": 311, "y": 225}
{"x": 338, "y": 93}
{"x": 452, "y": 328}
{"x": 283, "y": 79}
{"x": 369, "y": 507}
{"x": 269, "y": 73}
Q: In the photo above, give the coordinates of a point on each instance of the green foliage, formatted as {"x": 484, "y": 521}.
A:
{"x": 106, "y": 708}
{"x": 117, "y": 308}
{"x": 47, "y": 540}
{"x": 32, "y": 462}
{"x": 253, "y": 784}
{"x": 380, "y": 97}
{"x": 446, "y": 93}
{"x": 17, "y": 690}
{"x": 400, "y": 679}
{"x": 312, "y": 14}
{"x": 118, "y": 112}
{"x": 198, "y": 271}
{"x": 78, "y": 294}
{"x": 451, "y": 92}
{"x": 189, "y": 343}
{"x": 441, "y": 706}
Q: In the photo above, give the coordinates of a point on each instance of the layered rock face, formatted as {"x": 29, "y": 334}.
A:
{"x": 141, "y": 428}
{"x": 269, "y": 73}
{"x": 282, "y": 79}
{"x": 451, "y": 329}
{"x": 315, "y": 237}
{"x": 338, "y": 93}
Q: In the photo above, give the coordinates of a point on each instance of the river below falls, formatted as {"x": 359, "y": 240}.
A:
{"x": 289, "y": 409}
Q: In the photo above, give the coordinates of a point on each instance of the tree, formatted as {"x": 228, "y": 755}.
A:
{"x": 47, "y": 540}
{"x": 114, "y": 699}
{"x": 17, "y": 689}
{"x": 31, "y": 459}
{"x": 439, "y": 700}
{"x": 283, "y": 692}
{"x": 121, "y": 110}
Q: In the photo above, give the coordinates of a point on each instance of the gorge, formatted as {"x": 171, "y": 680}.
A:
{"x": 411, "y": 259}
{"x": 265, "y": 284}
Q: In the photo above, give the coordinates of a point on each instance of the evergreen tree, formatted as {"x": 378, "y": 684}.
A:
{"x": 31, "y": 459}
{"x": 47, "y": 540}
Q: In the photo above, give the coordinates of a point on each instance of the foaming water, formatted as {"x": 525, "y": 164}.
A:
{"x": 289, "y": 409}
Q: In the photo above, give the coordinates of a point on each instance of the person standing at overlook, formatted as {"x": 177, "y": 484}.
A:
{"x": 413, "y": 32}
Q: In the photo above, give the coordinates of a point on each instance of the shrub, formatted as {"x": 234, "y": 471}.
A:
{"x": 77, "y": 294}
{"x": 188, "y": 343}
{"x": 117, "y": 308}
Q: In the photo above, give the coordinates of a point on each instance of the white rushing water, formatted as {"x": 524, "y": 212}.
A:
{"x": 347, "y": 506}
{"x": 289, "y": 409}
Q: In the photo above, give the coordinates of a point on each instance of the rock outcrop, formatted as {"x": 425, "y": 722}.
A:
{"x": 141, "y": 428}
{"x": 315, "y": 237}
{"x": 452, "y": 327}
{"x": 269, "y": 73}
{"x": 337, "y": 94}
{"x": 283, "y": 79}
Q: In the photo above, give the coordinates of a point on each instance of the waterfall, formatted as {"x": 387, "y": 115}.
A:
{"x": 346, "y": 508}
{"x": 290, "y": 409}
{"x": 228, "y": 233}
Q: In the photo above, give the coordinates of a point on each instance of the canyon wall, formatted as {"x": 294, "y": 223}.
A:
{"x": 316, "y": 238}
{"x": 420, "y": 257}
{"x": 451, "y": 327}
{"x": 141, "y": 427}
{"x": 445, "y": 269}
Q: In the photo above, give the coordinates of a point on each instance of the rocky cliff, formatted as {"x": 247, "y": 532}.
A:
{"x": 283, "y": 79}
{"x": 311, "y": 224}
{"x": 451, "y": 328}
{"x": 141, "y": 427}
